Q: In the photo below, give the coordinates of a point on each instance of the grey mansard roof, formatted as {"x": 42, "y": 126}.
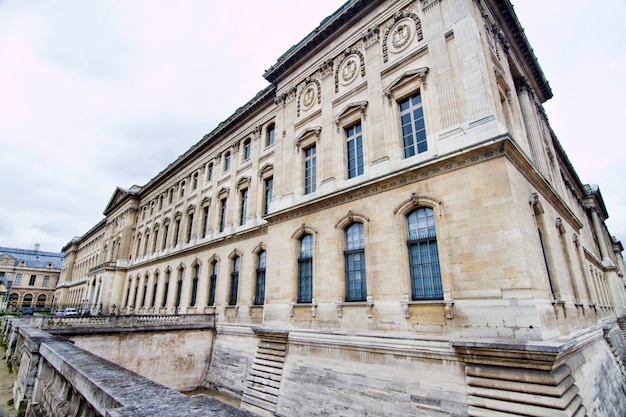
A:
{"x": 34, "y": 258}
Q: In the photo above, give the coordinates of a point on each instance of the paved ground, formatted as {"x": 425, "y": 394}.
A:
{"x": 6, "y": 386}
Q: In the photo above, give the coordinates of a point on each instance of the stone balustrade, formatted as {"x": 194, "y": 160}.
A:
{"x": 58, "y": 379}
{"x": 126, "y": 323}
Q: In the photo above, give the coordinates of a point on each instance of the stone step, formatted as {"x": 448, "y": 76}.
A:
{"x": 269, "y": 369}
{"x": 264, "y": 375}
{"x": 272, "y": 358}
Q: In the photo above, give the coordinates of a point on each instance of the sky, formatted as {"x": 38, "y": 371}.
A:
{"x": 99, "y": 94}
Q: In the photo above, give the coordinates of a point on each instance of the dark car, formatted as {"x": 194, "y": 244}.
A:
{"x": 27, "y": 311}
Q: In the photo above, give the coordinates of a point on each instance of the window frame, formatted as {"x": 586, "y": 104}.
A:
{"x": 354, "y": 137}
{"x": 415, "y": 242}
{"x": 353, "y": 257}
{"x": 306, "y": 252}
{"x": 259, "y": 288}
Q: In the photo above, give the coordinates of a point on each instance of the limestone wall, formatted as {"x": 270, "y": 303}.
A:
{"x": 357, "y": 376}
{"x": 176, "y": 359}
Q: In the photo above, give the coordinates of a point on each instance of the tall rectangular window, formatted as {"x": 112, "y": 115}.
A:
{"x": 271, "y": 133}
{"x": 305, "y": 270}
{"x": 247, "y": 149}
{"x": 205, "y": 220}
{"x": 46, "y": 280}
{"x": 413, "y": 127}
{"x": 155, "y": 240}
{"x": 32, "y": 280}
{"x": 259, "y": 293}
{"x": 189, "y": 226}
{"x": 354, "y": 145}
{"x": 234, "y": 282}
{"x": 310, "y": 169}
{"x": 424, "y": 255}
{"x": 356, "y": 287}
{"x": 243, "y": 207}
{"x": 209, "y": 173}
{"x": 226, "y": 161}
{"x": 269, "y": 189}
{"x": 222, "y": 214}
{"x": 176, "y": 231}
{"x": 166, "y": 229}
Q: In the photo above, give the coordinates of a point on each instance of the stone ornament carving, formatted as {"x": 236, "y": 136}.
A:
{"x": 400, "y": 30}
{"x": 348, "y": 70}
{"x": 400, "y": 35}
{"x": 351, "y": 63}
{"x": 310, "y": 95}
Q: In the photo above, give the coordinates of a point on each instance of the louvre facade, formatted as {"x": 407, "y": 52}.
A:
{"x": 391, "y": 221}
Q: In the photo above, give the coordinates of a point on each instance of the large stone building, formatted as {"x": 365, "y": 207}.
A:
{"x": 391, "y": 221}
{"x": 28, "y": 278}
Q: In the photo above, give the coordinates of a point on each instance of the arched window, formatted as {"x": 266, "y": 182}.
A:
{"x": 212, "y": 282}
{"x": 41, "y": 301}
{"x": 305, "y": 270}
{"x": 356, "y": 285}
{"x": 424, "y": 255}
{"x": 209, "y": 172}
{"x": 27, "y": 300}
{"x": 166, "y": 287}
{"x": 130, "y": 283}
{"x": 194, "y": 181}
{"x": 179, "y": 285}
{"x": 136, "y": 292}
{"x": 259, "y": 293}
{"x": 145, "y": 290}
{"x": 234, "y": 281}
{"x": 154, "y": 288}
{"x": 194, "y": 285}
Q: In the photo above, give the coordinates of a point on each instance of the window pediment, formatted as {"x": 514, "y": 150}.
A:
{"x": 406, "y": 84}
{"x": 307, "y": 137}
{"x": 351, "y": 113}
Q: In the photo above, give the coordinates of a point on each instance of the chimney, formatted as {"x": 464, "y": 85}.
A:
{"x": 36, "y": 247}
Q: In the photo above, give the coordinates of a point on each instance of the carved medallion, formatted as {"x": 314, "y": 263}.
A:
{"x": 308, "y": 96}
{"x": 400, "y": 35}
{"x": 349, "y": 70}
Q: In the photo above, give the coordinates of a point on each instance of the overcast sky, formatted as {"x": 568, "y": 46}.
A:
{"x": 99, "y": 94}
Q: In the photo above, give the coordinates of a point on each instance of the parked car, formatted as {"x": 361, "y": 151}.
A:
{"x": 67, "y": 312}
{"x": 27, "y": 311}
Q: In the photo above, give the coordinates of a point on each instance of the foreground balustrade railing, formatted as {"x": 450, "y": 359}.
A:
{"x": 59, "y": 379}
{"x": 94, "y": 324}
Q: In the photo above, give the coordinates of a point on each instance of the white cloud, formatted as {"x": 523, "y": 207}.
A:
{"x": 99, "y": 94}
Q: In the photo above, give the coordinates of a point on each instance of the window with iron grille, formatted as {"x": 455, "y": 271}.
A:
{"x": 356, "y": 285}
{"x": 234, "y": 282}
{"x": 259, "y": 293}
{"x": 212, "y": 282}
{"x": 305, "y": 270}
{"x": 424, "y": 255}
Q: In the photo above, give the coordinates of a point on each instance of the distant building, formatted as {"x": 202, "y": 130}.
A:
{"x": 28, "y": 278}
{"x": 391, "y": 221}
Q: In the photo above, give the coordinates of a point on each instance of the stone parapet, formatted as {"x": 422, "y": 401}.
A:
{"x": 119, "y": 324}
{"x": 57, "y": 378}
